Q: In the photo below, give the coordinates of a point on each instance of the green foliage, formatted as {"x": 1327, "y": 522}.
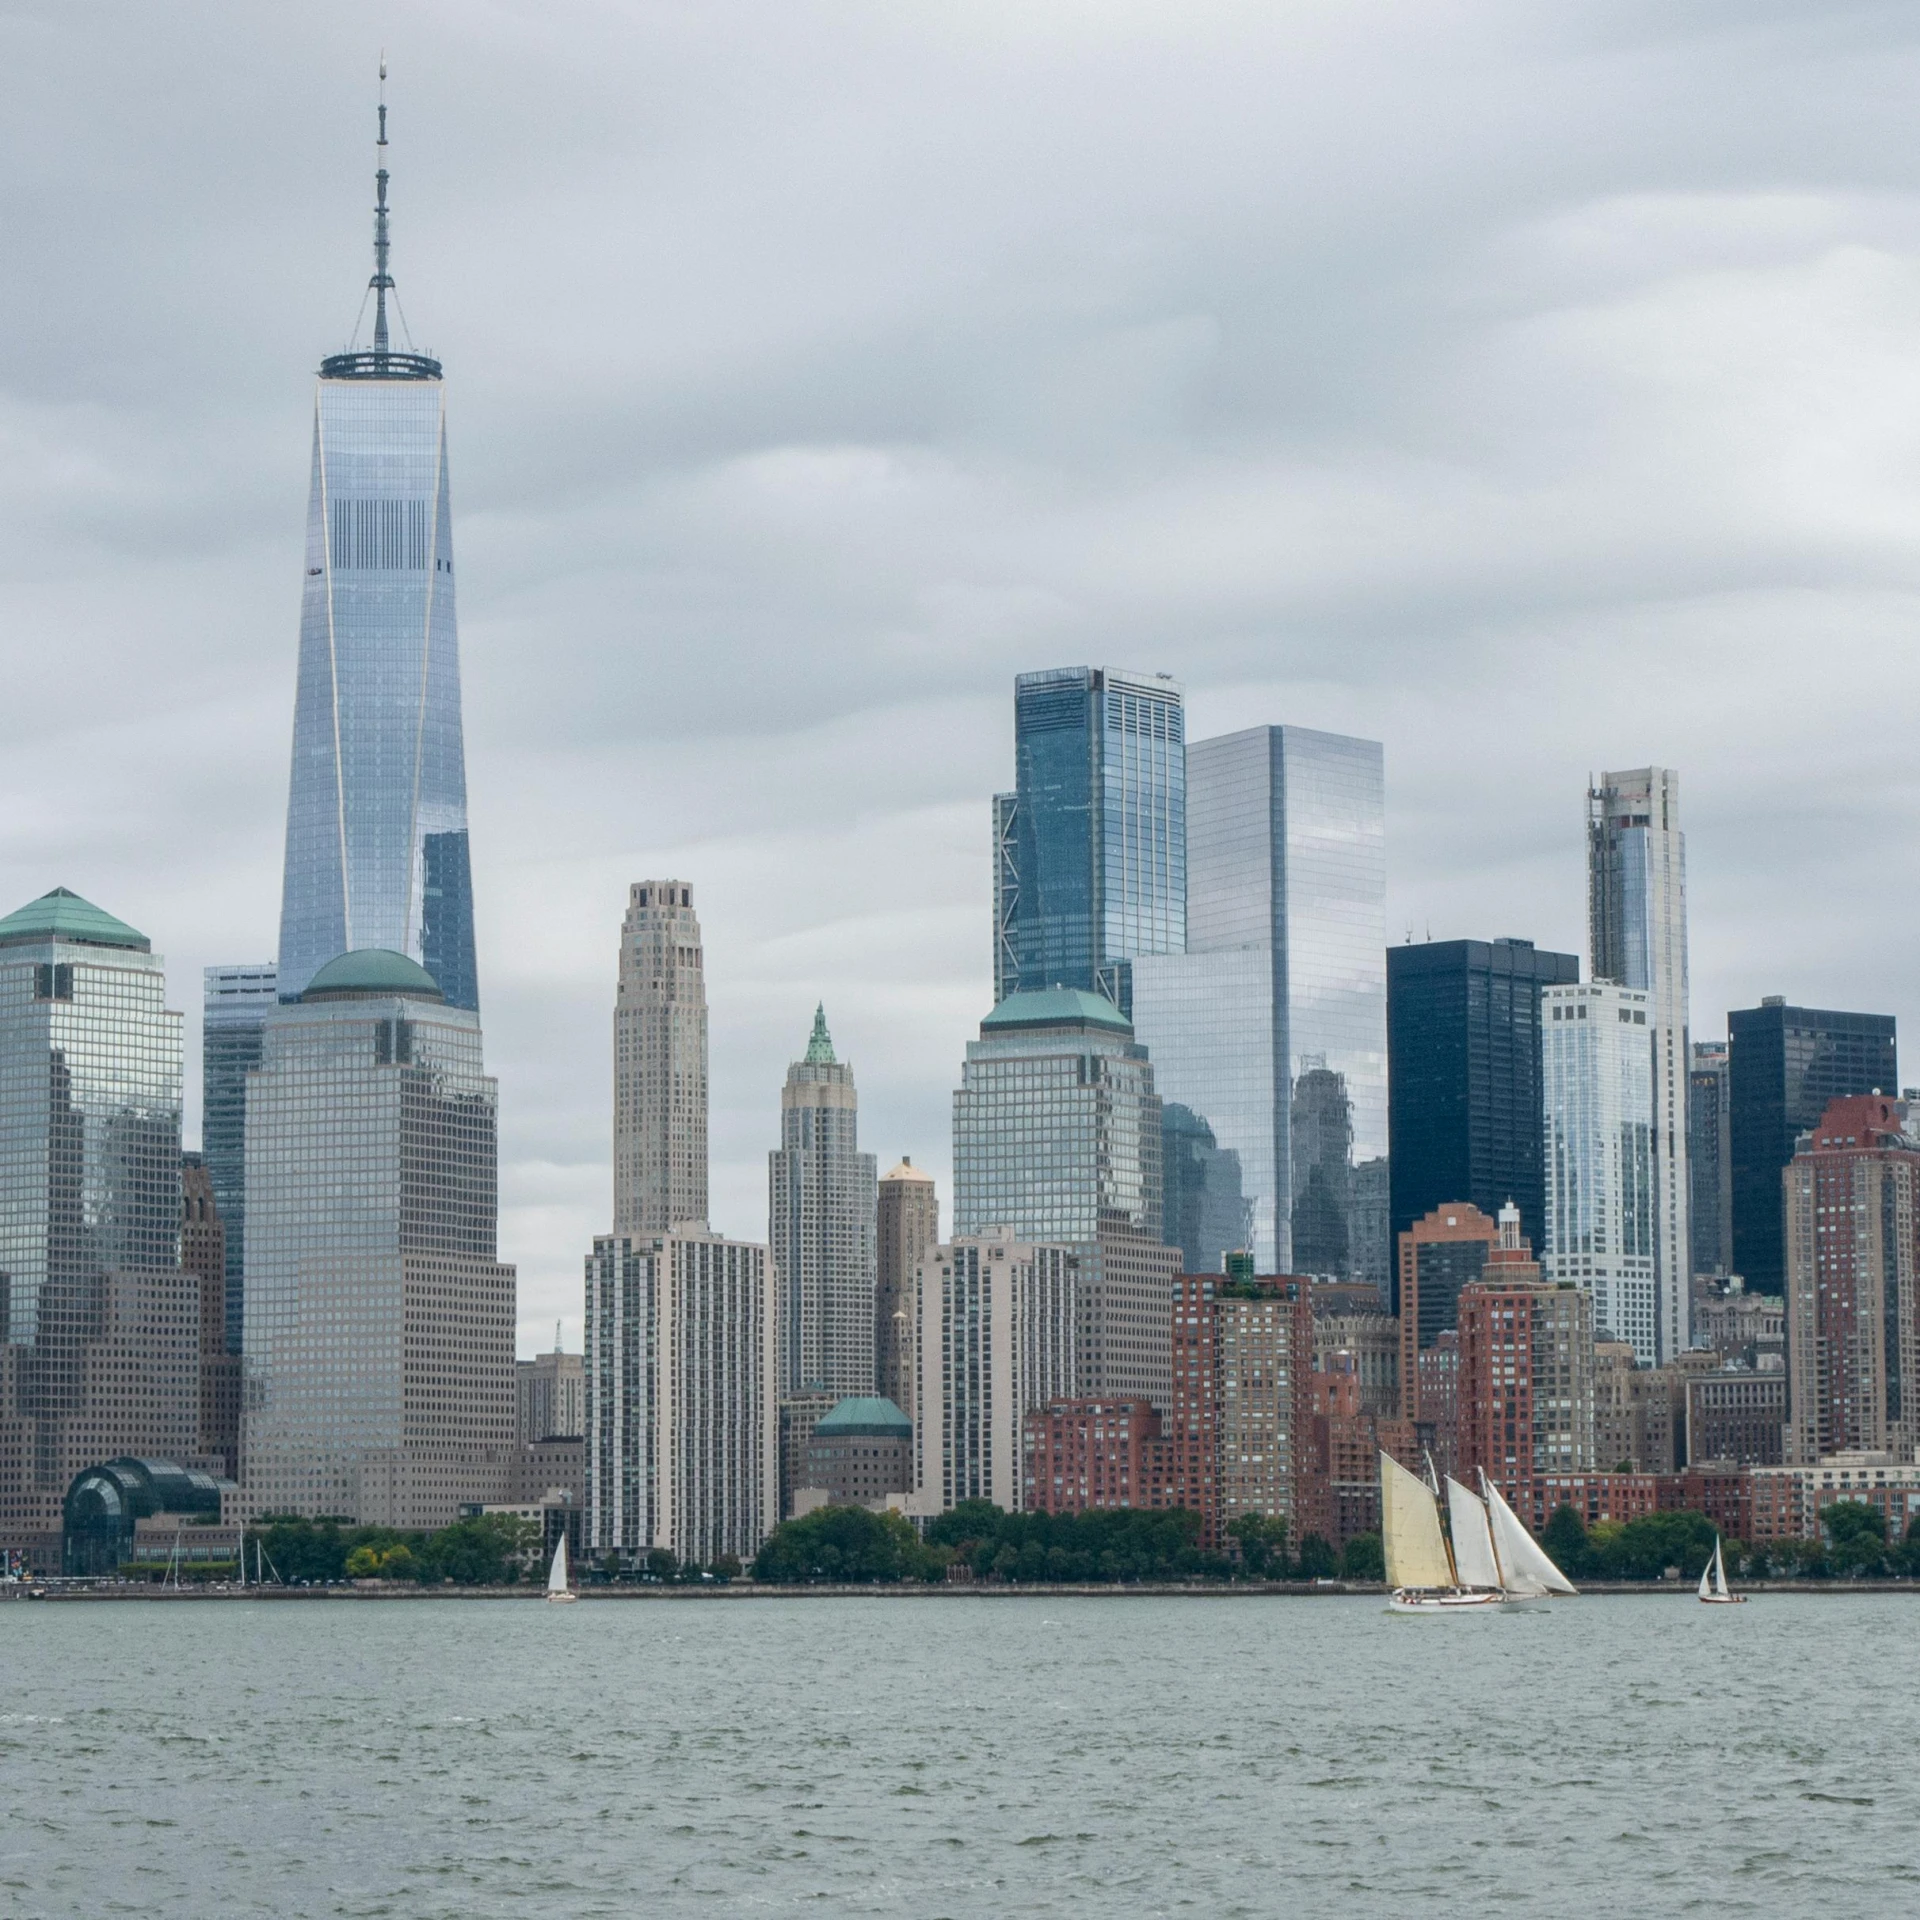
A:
{"x": 363, "y": 1563}
{"x": 662, "y": 1563}
{"x": 1565, "y": 1540}
{"x": 846, "y": 1544}
{"x": 1362, "y": 1558}
{"x": 1316, "y": 1561}
{"x": 1260, "y": 1541}
{"x": 488, "y": 1551}
{"x": 1858, "y": 1536}
{"x": 727, "y": 1567}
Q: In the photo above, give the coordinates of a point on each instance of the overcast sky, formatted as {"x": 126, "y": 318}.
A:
{"x": 1534, "y": 389}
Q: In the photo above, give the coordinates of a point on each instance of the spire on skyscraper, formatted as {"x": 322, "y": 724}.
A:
{"x": 820, "y": 1046}
{"x": 382, "y": 279}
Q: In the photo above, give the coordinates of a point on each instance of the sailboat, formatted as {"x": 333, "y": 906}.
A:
{"x": 1491, "y": 1560}
{"x": 558, "y": 1592}
{"x": 1713, "y": 1582}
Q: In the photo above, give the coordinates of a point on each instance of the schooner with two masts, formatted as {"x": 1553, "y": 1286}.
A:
{"x": 1491, "y": 1560}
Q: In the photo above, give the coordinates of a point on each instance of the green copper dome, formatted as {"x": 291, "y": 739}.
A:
{"x": 1055, "y": 1007}
{"x": 372, "y": 970}
{"x": 63, "y": 915}
{"x": 865, "y": 1413}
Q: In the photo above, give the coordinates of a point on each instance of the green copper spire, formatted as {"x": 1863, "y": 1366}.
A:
{"x": 820, "y": 1047}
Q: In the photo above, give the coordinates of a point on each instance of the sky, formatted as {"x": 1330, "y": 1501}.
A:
{"x": 1534, "y": 390}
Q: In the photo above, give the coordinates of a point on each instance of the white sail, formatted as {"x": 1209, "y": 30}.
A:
{"x": 1706, "y": 1580}
{"x": 1523, "y": 1561}
{"x": 1410, "y": 1537}
{"x": 1719, "y": 1569}
{"x": 1473, "y": 1558}
{"x": 557, "y": 1573}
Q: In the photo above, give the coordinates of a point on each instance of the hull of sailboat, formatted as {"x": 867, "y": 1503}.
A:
{"x": 1723, "y": 1599}
{"x": 1441, "y": 1600}
{"x": 561, "y": 1599}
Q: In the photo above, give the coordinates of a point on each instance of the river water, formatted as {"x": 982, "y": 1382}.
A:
{"x": 958, "y": 1756}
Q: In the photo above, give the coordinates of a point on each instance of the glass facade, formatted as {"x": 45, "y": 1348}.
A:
{"x": 237, "y": 1002}
{"x": 1207, "y": 1213}
{"x": 377, "y": 808}
{"x": 379, "y": 1325}
{"x": 1784, "y": 1065}
{"x": 1710, "y": 1160}
{"x": 1271, "y": 1027}
{"x": 1601, "y": 1208}
{"x": 1090, "y": 857}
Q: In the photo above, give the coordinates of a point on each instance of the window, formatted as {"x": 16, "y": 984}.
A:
{"x": 53, "y": 981}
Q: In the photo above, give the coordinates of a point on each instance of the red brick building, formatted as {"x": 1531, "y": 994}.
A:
{"x": 203, "y": 1253}
{"x": 1593, "y": 1496}
{"x": 1095, "y": 1453}
{"x": 1724, "y": 1495}
{"x": 1347, "y": 1444}
{"x": 1439, "y": 1255}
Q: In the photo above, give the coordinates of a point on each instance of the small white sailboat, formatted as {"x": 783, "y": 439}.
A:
{"x": 558, "y": 1592}
{"x": 1714, "y": 1591}
{"x": 1491, "y": 1560}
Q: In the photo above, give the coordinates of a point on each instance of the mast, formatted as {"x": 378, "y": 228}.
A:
{"x": 382, "y": 280}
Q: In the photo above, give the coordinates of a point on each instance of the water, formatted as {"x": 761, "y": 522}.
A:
{"x": 957, "y": 1757}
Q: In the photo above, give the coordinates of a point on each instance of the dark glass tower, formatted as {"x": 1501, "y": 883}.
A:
{"x": 1785, "y": 1064}
{"x": 1090, "y": 864}
{"x": 1464, "y": 1109}
{"x": 238, "y": 1000}
{"x": 377, "y": 806}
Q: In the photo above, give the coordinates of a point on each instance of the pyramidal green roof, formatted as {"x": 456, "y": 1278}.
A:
{"x": 1056, "y": 1007}
{"x": 63, "y": 915}
{"x": 864, "y": 1413}
{"x": 372, "y": 970}
{"x": 820, "y": 1047}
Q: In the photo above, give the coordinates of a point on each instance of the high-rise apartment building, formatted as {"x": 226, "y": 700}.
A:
{"x": 1853, "y": 1284}
{"x": 821, "y": 1211}
{"x": 1710, "y": 1162}
{"x": 660, "y": 1064}
{"x": 1637, "y": 926}
{"x": 233, "y": 1014}
{"x": 1526, "y": 1374}
{"x": 203, "y": 1254}
{"x": 999, "y": 1335}
{"x": 1602, "y": 1164}
{"x": 1787, "y": 1065}
{"x": 1271, "y": 1027}
{"x": 380, "y": 1322}
{"x": 682, "y": 1368}
{"x": 1439, "y": 1255}
{"x": 1463, "y": 1071}
{"x": 1056, "y": 1139}
{"x": 909, "y": 1223}
{"x": 377, "y": 808}
{"x": 1090, "y": 848}
{"x": 99, "y": 1325}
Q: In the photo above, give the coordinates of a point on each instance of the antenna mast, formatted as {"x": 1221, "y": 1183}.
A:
{"x": 382, "y": 280}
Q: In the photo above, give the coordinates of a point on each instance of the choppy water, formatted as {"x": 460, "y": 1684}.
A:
{"x": 958, "y": 1757}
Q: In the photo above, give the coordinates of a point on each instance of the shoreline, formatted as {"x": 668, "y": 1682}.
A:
{"x": 958, "y": 1590}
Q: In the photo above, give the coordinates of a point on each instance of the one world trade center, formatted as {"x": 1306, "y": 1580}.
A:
{"x": 377, "y": 809}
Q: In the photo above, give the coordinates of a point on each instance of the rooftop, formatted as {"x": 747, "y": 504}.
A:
{"x": 865, "y": 1413}
{"x": 372, "y": 970}
{"x": 1056, "y": 1007}
{"x": 63, "y": 915}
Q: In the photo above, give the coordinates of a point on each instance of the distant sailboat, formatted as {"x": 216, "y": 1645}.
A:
{"x": 558, "y": 1592}
{"x": 1713, "y": 1582}
{"x": 1491, "y": 1561}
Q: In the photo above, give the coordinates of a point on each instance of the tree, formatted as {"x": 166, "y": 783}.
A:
{"x": 1262, "y": 1542}
{"x": 363, "y": 1563}
{"x": 1316, "y": 1560}
{"x": 662, "y": 1563}
{"x": 726, "y": 1566}
{"x": 847, "y": 1545}
{"x": 1361, "y": 1558}
{"x": 1858, "y": 1533}
{"x": 398, "y": 1562}
{"x": 488, "y": 1550}
{"x": 1565, "y": 1540}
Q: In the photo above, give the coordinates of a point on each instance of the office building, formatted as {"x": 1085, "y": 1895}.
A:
{"x": 660, "y": 1064}
{"x": 1736, "y": 1416}
{"x": 1271, "y": 1027}
{"x": 549, "y": 1396}
{"x": 1086, "y": 1454}
{"x": 380, "y": 1322}
{"x": 377, "y": 853}
{"x": 909, "y": 1223}
{"x": 1056, "y": 1139}
{"x": 1637, "y": 925}
{"x": 1526, "y": 1376}
{"x": 1853, "y": 1284}
{"x": 1205, "y": 1208}
{"x": 1090, "y": 848}
{"x": 237, "y": 1000}
{"x": 203, "y": 1255}
{"x": 1439, "y": 1254}
{"x": 1749, "y": 1329}
{"x": 1463, "y": 1072}
{"x": 1602, "y": 1166}
{"x": 861, "y": 1454}
{"x": 1709, "y": 1168}
{"x": 682, "y": 1370}
{"x": 821, "y": 1210}
{"x": 99, "y": 1325}
{"x": 1639, "y": 1412}
{"x": 999, "y": 1334}
{"x": 799, "y": 1415}
{"x": 1787, "y": 1064}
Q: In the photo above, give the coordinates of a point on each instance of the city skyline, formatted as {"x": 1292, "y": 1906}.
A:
{"x": 185, "y": 838}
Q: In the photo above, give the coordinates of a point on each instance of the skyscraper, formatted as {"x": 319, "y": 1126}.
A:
{"x": 1637, "y": 924}
{"x": 1207, "y": 1214}
{"x": 660, "y": 1064}
{"x": 1284, "y": 977}
{"x": 237, "y": 1002}
{"x": 1710, "y": 1160}
{"x": 1785, "y": 1065}
{"x": 99, "y": 1326}
{"x": 1463, "y": 1070}
{"x": 1442, "y": 1252}
{"x": 1090, "y": 848}
{"x": 1056, "y": 1139}
{"x": 821, "y": 1208}
{"x": 1601, "y": 1214}
{"x": 377, "y": 807}
{"x": 909, "y": 1221}
{"x": 1853, "y": 1285}
{"x": 380, "y": 1322}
